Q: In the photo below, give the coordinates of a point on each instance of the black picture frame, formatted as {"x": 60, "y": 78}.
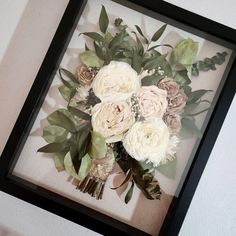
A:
{"x": 74, "y": 211}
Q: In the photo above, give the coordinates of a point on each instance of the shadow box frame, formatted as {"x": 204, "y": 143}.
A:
{"x": 74, "y": 211}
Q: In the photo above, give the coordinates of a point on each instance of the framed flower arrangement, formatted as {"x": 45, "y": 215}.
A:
{"x": 122, "y": 116}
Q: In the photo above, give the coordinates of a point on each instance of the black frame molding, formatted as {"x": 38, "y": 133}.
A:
{"x": 79, "y": 213}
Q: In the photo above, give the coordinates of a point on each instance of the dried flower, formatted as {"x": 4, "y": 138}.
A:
{"x": 170, "y": 86}
{"x": 112, "y": 120}
{"x": 150, "y": 141}
{"x": 152, "y": 101}
{"x": 173, "y": 122}
{"x": 86, "y": 74}
{"x": 177, "y": 103}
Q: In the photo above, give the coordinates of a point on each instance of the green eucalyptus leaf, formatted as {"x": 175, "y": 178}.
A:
{"x": 69, "y": 75}
{"x": 98, "y": 147}
{"x": 184, "y": 53}
{"x": 141, "y": 33}
{"x": 168, "y": 169}
{"x": 67, "y": 93}
{"x": 103, "y": 20}
{"x": 190, "y": 108}
{"x": 182, "y": 79}
{"x": 151, "y": 80}
{"x": 158, "y": 33}
{"x": 62, "y": 118}
{"x": 108, "y": 38}
{"x": 150, "y": 55}
{"x": 160, "y": 45}
{"x": 95, "y": 36}
{"x": 84, "y": 141}
{"x": 84, "y": 167}
{"x": 189, "y": 129}
{"x": 129, "y": 194}
{"x": 101, "y": 51}
{"x": 137, "y": 62}
{"x": 79, "y": 113}
{"x": 89, "y": 58}
{"x": 54, "y": 134}
{"x": 69, "y": 167}
{"x": 139, "y": 46}
{"x": 54, "y": 147}
{"x": 196, "y": 95}
{"x": 118, "y": 40}
{"x": 59, "y": 161}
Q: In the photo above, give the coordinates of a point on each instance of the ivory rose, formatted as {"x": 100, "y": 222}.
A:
{"x": 152, "y": 101}
{"x": 112, "y": 120}
{"x": 150, "y": 141}
{"x": 116, "y": 81}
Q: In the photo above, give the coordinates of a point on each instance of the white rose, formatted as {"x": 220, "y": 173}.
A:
{"x": 116, "y": 81}
{"x": 150, "y": 141}
{"x": 152, "y": 101}
{"x": 112, "y": 120}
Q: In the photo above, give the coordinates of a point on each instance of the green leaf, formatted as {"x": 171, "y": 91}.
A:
{"x": 182, "y": 79}
{"x": 67, "y": 93}
{"x": 103, "y": 20}
{"x": 141, "y": 33}
{"x": 118, "y": 40}
{"x": 54, "y": 147}
{"x": 160, "y": 45}
{"x": 101, "y": 51}
{"x": 89, "y": 58}
{"x": 158, "y": 33}
{"x": 139, "y": 46}
{"x": 129, "y": 194}
{"x": 95, "y": 36}
{"x": 196, "y": 95}
{"x": 98, "y": 147}
{"x": 69, "y": 75}
{"x": 108, "y": 38}
{"x": 137, "y": 62}
{"x": 62, "y": 118}
{"x": 184, "y": 53}
{"x": 79, "y": 113}
{"x": 168, "y": 169}
{"x": 190, "y": 108}
{"x": 151, "y": 80}
{"x": 69, "y": 167}
{"x": 189, "y": 129}
{"x": 84, "y": 167}
{"x": 127, "y": 178}
{"x": 84, "y": 141}
{"x": 59, "y": 161}
{"x": 159, "y": 62}
{"x": 54, "y": 134}
{"x": 209, "y": 63}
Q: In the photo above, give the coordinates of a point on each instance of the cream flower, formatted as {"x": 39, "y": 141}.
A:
{"x": 112, "y": 120}
{"x": 150, "y": 141}
{"x": 116, "y": 81}
{"x": 152, "y": 101}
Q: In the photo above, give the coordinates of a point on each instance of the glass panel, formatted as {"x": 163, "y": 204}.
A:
{"x": 159, "y": 107}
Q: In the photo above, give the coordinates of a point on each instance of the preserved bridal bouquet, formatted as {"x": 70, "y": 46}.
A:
{"x": 128, "y": 105}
